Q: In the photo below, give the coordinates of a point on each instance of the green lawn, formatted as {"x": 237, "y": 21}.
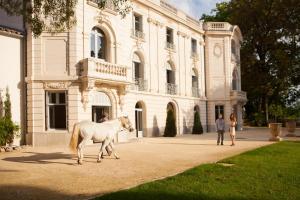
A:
{"x": 271, "y": 172}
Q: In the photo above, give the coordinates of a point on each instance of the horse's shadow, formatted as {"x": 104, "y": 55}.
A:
{"x": 43, "y": 158}
{"x": 52, "y": 158}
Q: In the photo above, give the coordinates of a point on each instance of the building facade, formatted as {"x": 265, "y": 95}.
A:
{"x": 156, "y": 58}
{"x": 12, "y": 68}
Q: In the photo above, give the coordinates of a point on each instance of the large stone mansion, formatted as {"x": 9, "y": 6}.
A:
{"x": 156, "y": 58}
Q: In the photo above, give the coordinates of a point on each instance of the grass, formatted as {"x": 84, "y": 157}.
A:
{"x": 268, "y": 173}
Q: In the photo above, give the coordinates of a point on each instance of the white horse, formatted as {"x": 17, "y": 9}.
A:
{"x": 98, "y": 132}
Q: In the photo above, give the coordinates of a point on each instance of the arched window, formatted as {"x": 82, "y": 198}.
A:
{"x": 235, "y": 79}
{"x": 98, "y": 44}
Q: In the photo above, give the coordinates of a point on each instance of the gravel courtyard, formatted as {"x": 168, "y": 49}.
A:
{"x": 52, "y": 172}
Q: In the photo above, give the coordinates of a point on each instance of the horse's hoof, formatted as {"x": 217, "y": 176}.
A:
{"x": 79, "y": 162}
{"x": 98, "y": 161}
{"x": 117, "y": 158}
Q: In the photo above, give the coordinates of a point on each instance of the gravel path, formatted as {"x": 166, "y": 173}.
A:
{"x": 52, "y": 172}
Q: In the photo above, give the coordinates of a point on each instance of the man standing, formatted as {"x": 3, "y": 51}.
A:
{"x": 220, "y": 125}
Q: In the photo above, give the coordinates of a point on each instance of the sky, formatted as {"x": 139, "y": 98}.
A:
{"x": 195, "y": 8}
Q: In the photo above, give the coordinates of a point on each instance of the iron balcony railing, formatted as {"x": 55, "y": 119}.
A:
{"x": 138, "y": 34}
{"x": 140, "y": 84}
{"x": 170, "y": 45}
{"x": 171, "y": 88}
{"x": 195, "y": 92}
{"x": 194, "y": 55}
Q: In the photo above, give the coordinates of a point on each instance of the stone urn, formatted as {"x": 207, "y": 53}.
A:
{"x": 275, "y": 130}
{"x": 291, "y": 127}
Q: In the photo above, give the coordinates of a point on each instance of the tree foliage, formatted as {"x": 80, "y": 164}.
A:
{"x": 197, "y": 128}
{"x": 170, "y": 129}
{"x": 54, "y": 15}
{"x": 270, "y": 52}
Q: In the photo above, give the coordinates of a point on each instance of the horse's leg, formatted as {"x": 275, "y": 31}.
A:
{"x": 80, "y": 151}
{"x": 102, "y": 152}
{"x": 113, "y": 150}
{"x": 104, "y": 144}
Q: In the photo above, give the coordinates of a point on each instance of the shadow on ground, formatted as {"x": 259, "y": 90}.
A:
{"x": 8, "y": 192}
{"x": 41, "y": 158}
{"x": 134, "y": 195}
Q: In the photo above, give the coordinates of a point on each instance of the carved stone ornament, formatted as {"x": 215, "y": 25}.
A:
{"x": 85, "y": 99}
{"x": 56, "y": 85}
{"x": 217, "y": 50}
{"x": 155, "y": 22}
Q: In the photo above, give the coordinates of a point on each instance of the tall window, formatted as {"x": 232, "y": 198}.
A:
{"x": 170, "y": 74}
{"x": 98, "y": 43}
{"x": 195, "y": 84}
{"x": 138, "y": 68}
{"x": 219, "y": 109}
{"x": 138, "y": 22}
{"x": 56, "y": 110}
{"x": 194, "y": 45}
{"x": 171, "y": 87}
{"x": 169, "y": 35}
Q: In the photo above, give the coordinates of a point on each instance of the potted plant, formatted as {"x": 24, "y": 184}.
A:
{"x": 290, "y": 124}
{"x": 276, "y": 111}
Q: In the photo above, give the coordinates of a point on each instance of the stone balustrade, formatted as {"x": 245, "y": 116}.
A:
{"x": 238, "y": 95}
{"x": 99, "y": 69}
{"x": 217, "y": 26}
{"x": 108, "y": 4}
{"x": 171, "y": 88}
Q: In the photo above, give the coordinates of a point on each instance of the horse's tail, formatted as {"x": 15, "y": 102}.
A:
{"x": 74, "y": 138}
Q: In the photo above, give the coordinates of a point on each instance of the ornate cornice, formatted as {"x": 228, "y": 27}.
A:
{"x": 61, "y": 85}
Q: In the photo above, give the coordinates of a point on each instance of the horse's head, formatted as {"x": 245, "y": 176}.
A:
{"x": 126, "y": 123}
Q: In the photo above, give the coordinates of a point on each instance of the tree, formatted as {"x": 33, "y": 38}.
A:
{"x": 270, "y": 53}
{"x": 197, "y": 128}
{"x": 54, "y": 15}
{"x": 1, "y": 106}
{"x": 170, "y": 130}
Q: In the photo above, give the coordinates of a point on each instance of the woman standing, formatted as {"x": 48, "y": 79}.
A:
{"x": 232, "y": 128}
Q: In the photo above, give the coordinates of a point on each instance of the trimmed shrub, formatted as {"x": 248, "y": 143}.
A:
{"x": 170, "y": 129}
{"x": 197, "y": 128}
{"x": 8, "y": 128}
{"x": 7, "y": 106}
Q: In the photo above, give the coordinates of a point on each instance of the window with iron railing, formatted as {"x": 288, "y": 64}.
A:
{"x": 171, "y": 87}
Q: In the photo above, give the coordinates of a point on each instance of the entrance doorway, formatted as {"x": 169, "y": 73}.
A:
{"x": 100, "y": 113}
{"x": 101, "y": 107}
{"x": 139, "y": 119}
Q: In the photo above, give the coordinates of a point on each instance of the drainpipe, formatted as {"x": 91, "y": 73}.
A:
{"x": 24, "y": 75}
